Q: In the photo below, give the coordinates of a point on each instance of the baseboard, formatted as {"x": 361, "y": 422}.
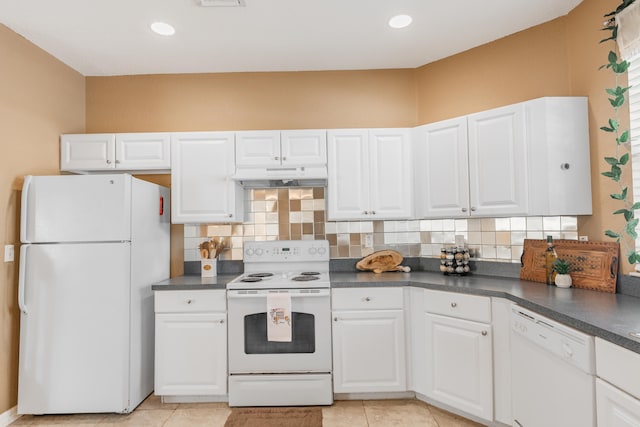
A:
{"x": 9, "y": 416}
{"x": 375, "y": 396}
{"x": 194, "y": 399}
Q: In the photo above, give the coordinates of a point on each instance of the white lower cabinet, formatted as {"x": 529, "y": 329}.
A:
{"x": 617, "y": 386}
{"x": 191, "y": 343}
{"x": 459, "y": 354}
{"x": 368, "y": 341}
{"x": 616, "y": 408}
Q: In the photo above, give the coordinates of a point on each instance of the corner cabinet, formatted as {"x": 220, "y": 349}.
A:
{"x": 370, "y": 174}
{"x": 459, "y": 356}
{"x": 137, "y": 152}
{"x": 368, "y": 322}
{"x": 202, "y": 188}
{"x": 190, "y": 344}
{"x": 530, "y": 158}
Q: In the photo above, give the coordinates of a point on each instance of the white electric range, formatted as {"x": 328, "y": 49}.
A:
{"x": 296, "y": 371}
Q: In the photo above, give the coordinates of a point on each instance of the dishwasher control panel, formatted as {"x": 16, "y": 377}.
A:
{"x": 574, "y": 347}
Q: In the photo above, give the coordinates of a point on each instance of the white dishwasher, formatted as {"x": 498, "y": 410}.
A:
{"x": 553, "y": 373}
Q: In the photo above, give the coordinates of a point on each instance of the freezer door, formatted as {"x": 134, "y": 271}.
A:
{"x": 76, "y": 208}
{"x": 74, "y": 328}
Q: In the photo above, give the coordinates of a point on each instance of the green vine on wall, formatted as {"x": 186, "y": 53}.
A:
{"x": 617, "y": 96}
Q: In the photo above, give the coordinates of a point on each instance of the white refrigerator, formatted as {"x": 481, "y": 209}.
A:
{"x": 92, "y": 245}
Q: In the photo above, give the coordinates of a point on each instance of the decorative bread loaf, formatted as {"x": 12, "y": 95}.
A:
{"x": 381, "y": 261}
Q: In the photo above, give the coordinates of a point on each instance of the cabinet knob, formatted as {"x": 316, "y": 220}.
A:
{"x": 454, "y": 304}
{"x": 284, "y": 159}
{"x": 565, "y": 166}
{"x": 366, "y": 212}
{"x": 189, "y": 301}
{"x": 108, "y": 162}
{"x": 276, "y": 158}
{"x": 367, "y": 299}
{"x": 484, "y": 333}
{"x": 222, "y": 321}
{"x": 335, "y": 319}
{"x": 373, "y": 212}
{"x": 464, "y": 209}
{"x": 230, "y": 215}
{"x": 473, "y": 209}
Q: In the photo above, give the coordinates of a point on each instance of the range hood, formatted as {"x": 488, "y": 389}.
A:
{"x": 301, "y": 176}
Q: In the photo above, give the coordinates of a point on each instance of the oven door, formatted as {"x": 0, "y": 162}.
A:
{"x": 310, "y": 348}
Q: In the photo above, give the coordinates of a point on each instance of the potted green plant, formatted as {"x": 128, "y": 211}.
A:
{"x": 562, "y": 269}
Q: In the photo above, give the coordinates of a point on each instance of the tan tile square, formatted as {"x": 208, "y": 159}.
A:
{"x": 344, "y": 413}
{"x": 271, "y": 194}
{"x": 258, "y": 194}
{"x": 333, "y": 239}
{"x": 318, "y": 216}
{"x": 295, "y": 194}
{"x": 447, "y": 419}
{"x": 306, "y": 193}
{"x": 295, "y": 205}
{"x": 318, "y": 228}
{"x": 318, "y": 193}
{"x": 355, "y": 251}
{"x": 354, "y": 239}
{"x": 307, "y": 228}
{"x": 283, "y": 195}
{"x": 503, "y": 238}
{"x": 343, "y": 251}
{"x": 145, "y": 418}
{"x": 198, "y": 417}
{"x": 284, "y": 232}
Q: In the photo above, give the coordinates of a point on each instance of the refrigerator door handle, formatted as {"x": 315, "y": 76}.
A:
{"x": 24, "y": 208}
{"x": 22, "y": 277}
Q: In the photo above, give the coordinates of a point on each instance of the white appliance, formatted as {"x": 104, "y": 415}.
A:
{"x": 281, "y": 373}
{"x": 92, "y": 245}
{"x": 553, "y": 373}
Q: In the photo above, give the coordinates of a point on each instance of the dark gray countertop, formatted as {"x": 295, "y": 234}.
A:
{"x": 190, "y": 283}
{"x": 608, "y": 316}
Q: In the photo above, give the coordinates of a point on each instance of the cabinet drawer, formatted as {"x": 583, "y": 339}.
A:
{"x": 366, "y": 298}
{"x": 618, "y": 366}
{"x": 470, "y": 307}
{"x": 190, "y": 301}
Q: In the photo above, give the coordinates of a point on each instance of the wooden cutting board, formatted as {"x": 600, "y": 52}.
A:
{"x": 594, "y": 265}
{"x": 382, "y": 261}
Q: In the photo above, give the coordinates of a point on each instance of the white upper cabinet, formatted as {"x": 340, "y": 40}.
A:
{"x": 441, "y": 171}
{"x": 201, "y": 184}
{"x": 370, "y": 174}
{"x": 530, "y": 158}
{"x": 109, "y": 152}
{"x": 497, "y": 162}
{"x": 281, "y": 148}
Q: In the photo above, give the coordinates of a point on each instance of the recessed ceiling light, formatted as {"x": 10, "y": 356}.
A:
{"x": 163, "y": 29}
{"x": 400, "y": 21}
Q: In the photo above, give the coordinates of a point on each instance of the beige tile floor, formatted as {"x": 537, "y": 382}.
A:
{"x": 352, "y": 413}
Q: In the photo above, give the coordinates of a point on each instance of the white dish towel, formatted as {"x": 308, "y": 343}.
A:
{"x": 279, "y": 316}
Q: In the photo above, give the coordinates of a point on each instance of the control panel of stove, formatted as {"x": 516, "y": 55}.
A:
{"x": 286, "y": 250}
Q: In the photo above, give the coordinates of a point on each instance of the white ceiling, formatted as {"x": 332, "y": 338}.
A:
{"x": 112, "y": 37}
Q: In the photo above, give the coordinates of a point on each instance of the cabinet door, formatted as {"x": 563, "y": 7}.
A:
{"x": 459, "y": 364}
{"x": 498, "y": 162}
{"x": 368, "y": 351}
{"x": 138, "y": 151}
{"x": 201, "y": 184}
{"x": 615, "y": 408}
{"x": 304, "y": 147}
{"x": 390, "y": 174}
{"x": 258, "y": 148}
{"x": 348, "y": 169}
{"x": 191, "y": 354}
{"x": 87, "y": 152}
{"x": 441, "y": 169}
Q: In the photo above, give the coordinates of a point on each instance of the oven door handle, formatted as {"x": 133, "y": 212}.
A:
{"x": 263, "y": 294}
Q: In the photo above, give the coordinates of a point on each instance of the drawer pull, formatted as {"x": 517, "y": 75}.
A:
{"x": 454, "y": 304}
{"x": 484, "y": 333}
{"x": 222, "y": 321}
{"x": 335, "y": 319}
{"x": 367, "y": 299}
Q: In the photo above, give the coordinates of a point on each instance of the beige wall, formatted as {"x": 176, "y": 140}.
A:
{"x": 301, "y": 100}
{"x": 40, "y": 98}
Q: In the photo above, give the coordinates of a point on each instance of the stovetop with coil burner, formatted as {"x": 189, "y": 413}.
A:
{"x": 284, "y": 264}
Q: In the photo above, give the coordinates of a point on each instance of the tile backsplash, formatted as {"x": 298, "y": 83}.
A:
{"x": 300, "y": 214}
